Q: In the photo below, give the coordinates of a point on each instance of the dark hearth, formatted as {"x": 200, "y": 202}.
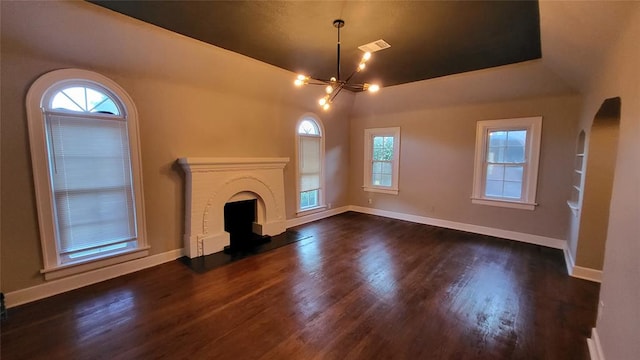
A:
{"x": 239, "y": 217}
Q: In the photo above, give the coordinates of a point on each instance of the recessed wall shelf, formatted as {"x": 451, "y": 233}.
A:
{"x": 573, "y": 205}
{"x": 578, "y": 172}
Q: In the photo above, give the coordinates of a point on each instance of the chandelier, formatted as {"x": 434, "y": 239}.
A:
{"x": 335, "y": 85}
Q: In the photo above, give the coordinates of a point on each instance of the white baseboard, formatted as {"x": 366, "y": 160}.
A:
{"x": 587, "y": 274}
{"x": 477, "y": 229}
{"x": 580, "y": 272}
{"x": 568, "y": 260}
{"x": 55, "y": 287}
{"x": 59, "y": 286}
{"x": 316, "y": 216}
{"x": 595, "y": 348}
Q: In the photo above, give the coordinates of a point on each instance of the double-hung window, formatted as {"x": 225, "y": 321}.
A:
{"x": 84, "y": 145}
{"x": 310, "y": 164}
{"x": 506, "y": 164}
{"x": 382, "y": 157}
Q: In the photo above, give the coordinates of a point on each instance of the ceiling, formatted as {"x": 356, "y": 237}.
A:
{"x": 428, "y": 39}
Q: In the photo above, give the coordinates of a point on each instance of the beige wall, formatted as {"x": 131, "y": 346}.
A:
{"x": 192, "y": 99}
{"x": 438, "y": 145}
{"x": 618, "y": 322}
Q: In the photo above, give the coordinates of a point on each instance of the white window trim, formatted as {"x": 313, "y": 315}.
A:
{"x": 368, "y": 154}
{"x": 52, "y": 266}
{"x": 533, "y": 125}
{"x": 321, "y": 193}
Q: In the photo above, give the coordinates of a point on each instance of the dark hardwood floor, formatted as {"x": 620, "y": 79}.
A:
{"x": 360, "y": 287}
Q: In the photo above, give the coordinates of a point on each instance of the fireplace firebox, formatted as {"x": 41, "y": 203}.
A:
{"x": 239, "y": 217}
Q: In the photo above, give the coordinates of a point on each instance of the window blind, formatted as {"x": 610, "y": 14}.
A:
{"x": 91, "y": 179}
{"x": 309, "y": 163}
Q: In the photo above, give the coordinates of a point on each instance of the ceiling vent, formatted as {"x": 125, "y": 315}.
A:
{"x": 375, "y": 46}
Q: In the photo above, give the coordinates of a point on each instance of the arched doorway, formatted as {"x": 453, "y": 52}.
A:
{"x": 601, "y": 156}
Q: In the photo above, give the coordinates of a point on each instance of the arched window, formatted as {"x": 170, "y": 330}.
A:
{"x": 310, "y": 154}
{"x": 84, "y": 147}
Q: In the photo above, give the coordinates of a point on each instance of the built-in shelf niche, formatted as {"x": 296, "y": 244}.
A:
{"x": 577, "y": 176}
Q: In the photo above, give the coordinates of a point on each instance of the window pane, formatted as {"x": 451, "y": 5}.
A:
{"x": 308, "y": 127}
{"x": 377, "y": 142}
{"x": 309, "y": 199}
{"x": 313, "y": 198}
{"x": 495, "y": 172}
{"x": 497, "y": 138}
{"x": 84, "y": 99}
{"x": 517, "y": 138}
{"x": 378, "y": 154}
{"x": 108, "y": 107}
{"x": 376, "y": 179}
{"x": 61, "y": 101}
{"x": 514, "y": 173}
{"x": 387, "y": 168}
{"x": 76, "y": 94}
{"x": 383, "y": 148}
{"x": 514, "y": 154}
{"x": 516, "y": 142}
{"x": 95, "y": 99}
{"x": 493, "y": 188}
{"x": 388, "y": 142}
{"x": 377, "y": 167}
{"x": 512, "y": 189}
{"x": 385, "y": 180}
{"x": 495, "y": 154}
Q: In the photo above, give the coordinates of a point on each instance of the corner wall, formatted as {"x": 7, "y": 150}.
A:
{"x": 438, "y": 146}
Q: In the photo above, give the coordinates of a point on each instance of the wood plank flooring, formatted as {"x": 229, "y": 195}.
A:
{"x": 360, "y": 287}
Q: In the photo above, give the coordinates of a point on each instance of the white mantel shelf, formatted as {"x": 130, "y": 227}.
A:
{"x": 212, "y": 182}
{"x": 198, "y": 164}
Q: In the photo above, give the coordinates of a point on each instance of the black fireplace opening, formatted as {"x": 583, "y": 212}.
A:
{"x": 239, "y": 217}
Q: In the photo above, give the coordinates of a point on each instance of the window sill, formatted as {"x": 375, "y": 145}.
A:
{"x": 505, "y": 203}
{"x": 80, "y": 267}
{"x": 380, "y": 190}
{"x": 311, "y": 210}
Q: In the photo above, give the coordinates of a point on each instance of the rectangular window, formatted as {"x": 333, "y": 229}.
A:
{"x": 506, "y": 165}
{"x": 382, "y": 154}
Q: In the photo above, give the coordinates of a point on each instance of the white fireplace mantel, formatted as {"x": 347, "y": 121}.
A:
{"x": 212, "y": 182}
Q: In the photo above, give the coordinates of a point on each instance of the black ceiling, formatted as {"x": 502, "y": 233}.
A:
{"x": 428, "y": 38}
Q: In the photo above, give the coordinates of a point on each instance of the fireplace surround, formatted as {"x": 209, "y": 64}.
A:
{"x": 213, "y": 182}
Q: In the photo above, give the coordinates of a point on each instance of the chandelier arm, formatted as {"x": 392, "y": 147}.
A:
{"x": 336, "y": 92}
{"x": 350, "y": 76}
{"x": 314, "y": 81}
{"x": 354, "y": 87}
